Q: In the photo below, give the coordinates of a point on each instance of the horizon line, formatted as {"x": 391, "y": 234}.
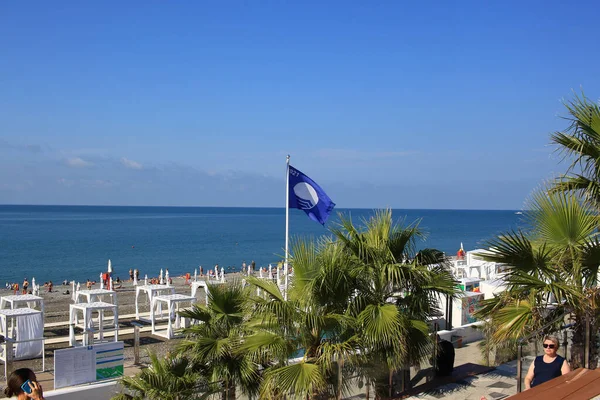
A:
{"x": 258, "y": 207}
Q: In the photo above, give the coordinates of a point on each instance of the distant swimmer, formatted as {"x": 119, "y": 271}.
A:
{"x": 133, "y": 247}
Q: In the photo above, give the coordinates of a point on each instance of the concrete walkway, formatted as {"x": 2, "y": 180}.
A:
{"x": 497, "y": 384}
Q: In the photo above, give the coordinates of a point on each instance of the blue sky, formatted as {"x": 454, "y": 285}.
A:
{"x": 401, "y": 104}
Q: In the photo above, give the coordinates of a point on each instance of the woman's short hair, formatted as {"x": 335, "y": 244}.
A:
{"x": 16, "y": 379}
{"x": 553, "y": 339}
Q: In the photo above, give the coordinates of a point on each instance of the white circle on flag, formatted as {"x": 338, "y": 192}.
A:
{"x": 306, "y": 194}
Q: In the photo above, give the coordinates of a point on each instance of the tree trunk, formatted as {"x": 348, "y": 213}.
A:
{"x": 229, "y": 392}
{"x": 578, "y": 346}
{"x": 339, "y": 383}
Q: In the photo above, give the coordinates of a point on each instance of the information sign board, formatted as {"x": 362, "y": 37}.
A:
{"x": 78, "y": 365}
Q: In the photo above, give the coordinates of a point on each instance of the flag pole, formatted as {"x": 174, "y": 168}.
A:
{"x": 287, "y": 223}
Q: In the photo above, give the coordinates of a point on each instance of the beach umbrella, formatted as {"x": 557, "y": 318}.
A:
{"x": 161, "y": 277}
{"x": 195, "y": 274}
{"x": 167, "y": 277}
{"x": 260, "y": 273}
{"x": 109, "y": 267}
{"x": 222, "y": 274}
{"x": 73, "y": 291}
{"x": 33, "y": 285}
{"x": 278, "y": 277}
{"x": 135, "y": 282}
{"x": 249, "y": 270}
{"x": 78, "y": 286}
{"x": 216, "y": 271}
{"x": 145, "y": 279}
{"x": 270, "y": 271}
{"x": 101, "y": 281}
{"x": 461, "y": 246}
{"x": 110, "y": 284}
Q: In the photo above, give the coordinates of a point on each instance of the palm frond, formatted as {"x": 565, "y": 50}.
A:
{"x": 297, "y": 380}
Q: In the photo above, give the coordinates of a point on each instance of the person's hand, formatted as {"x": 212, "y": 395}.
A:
{"x": 36, "y": 391}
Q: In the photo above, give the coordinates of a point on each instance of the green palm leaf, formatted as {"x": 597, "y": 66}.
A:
{"x": 297, "y": 381}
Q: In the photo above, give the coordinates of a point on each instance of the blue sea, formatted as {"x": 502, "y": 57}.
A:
{"x": 75, "y": 242}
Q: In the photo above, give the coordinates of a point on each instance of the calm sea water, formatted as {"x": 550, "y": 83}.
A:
{"x": 75, "y": 242}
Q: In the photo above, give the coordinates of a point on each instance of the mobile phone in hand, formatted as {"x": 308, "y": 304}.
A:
{"x": 25, "y": 387}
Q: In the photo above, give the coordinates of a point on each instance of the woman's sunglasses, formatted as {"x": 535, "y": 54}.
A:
{"x": 548, "y": 346}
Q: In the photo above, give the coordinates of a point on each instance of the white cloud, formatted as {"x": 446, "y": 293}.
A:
{"x": 78, "y": 162}
{"x": 131, "y": 164}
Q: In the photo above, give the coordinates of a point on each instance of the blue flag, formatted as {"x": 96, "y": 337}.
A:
{"x": 306, "y": 195}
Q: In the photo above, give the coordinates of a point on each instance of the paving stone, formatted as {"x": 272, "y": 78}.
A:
{"x": 496, "y": 396}
{"x": 501, "y": 385}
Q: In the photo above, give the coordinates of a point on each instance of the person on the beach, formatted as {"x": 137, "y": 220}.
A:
{"x": 130, "y": 274}
{"x": 548, "y": 366}
{"x": 187, "y": 278}
{"x": 88, "y": 284}
{"x": 15, "y": 382}
{"x": 201, "y": 271}
{"x": 16, "y": 288}
{"x": 50, "y": 286}
{"x": 137, "y": 274}
{"x": 253, "y": 265}
{"x": 243, "y": 266}
{"x": 25, "y": 286}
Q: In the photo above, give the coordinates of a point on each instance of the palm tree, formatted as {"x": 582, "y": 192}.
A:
{"x": 580, "y": 143}
{"x": 397, "y": 289}
{"x": 214, "y": 341}
{"x": 553, "y": 269}
{"x": 172, "y": 378}
{"x": 309, "y": 325}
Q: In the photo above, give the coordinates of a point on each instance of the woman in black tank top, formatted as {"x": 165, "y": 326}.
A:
{"x": 548, "y": 366}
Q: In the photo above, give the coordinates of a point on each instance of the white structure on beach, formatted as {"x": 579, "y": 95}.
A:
{"x": 23, "y": 330}
{"x": 173, "y": 303}
{"x": 151, "y": 291}
{"x": 89, "y": 325}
